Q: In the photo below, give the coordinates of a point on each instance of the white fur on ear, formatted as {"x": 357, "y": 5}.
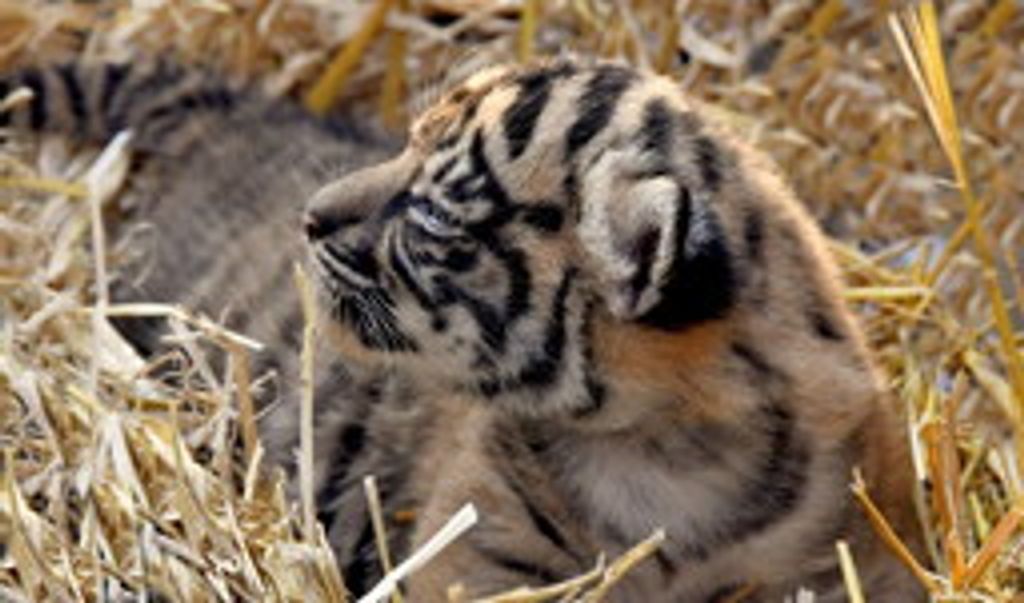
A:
{"x": 628, "y": 222}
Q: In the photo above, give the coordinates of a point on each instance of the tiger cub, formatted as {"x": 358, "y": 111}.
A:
{"x": 619, "y": 319}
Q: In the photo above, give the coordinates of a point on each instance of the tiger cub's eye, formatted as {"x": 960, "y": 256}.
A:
{"x": 433, "y": 220}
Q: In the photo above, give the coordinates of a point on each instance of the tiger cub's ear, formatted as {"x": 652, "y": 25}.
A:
{"x": 658, "y": 252}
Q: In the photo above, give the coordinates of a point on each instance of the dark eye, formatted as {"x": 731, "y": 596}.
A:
{"x": 433, "y": 220}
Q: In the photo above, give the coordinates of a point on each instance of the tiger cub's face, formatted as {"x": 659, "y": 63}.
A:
{"x": 532, "y": 207}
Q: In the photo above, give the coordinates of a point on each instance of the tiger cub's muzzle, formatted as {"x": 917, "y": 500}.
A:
{"x": 343, "y": 222}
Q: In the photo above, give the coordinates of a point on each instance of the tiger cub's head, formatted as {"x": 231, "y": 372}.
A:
{"x": 543, "y": 223}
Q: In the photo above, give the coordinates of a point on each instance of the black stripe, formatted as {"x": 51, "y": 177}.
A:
{"x": 340, "y": 458}
{"x": 597, "y": 392}
{"x": 448, "y": 142}
{"x": 364, "y": 570}
{"x": 571, "y": 188}
{"x": 5, "y": 115}
{"x": 818, "y": 311}
{"x": 446, "y": 167}
{"x": 336, "y": 482}
{"x": 173, "y": 111}
{"x": 161, "y": 76}
{"x": 644, "y": 252}
{"x": 213, "y": 98}
{"x": 491, "y": 188}
{"x": 517, "y": 302}
{"x": 824, "y": 326}
{"x": 405, "y": 276}
{"x": 37, "y": 107}
{"x": 358, "y": 260}
{"x": 339, "y": 279}
{"x": 476, "y": 183}
{"x": 530, "y": 570}
{"x": 666, "y": 565}
{"x": 596, "y": 105}
{"x": 75, "y": 95}
{"x": 540, "y": 521}
{"x": 753, "y": 233}
{"x": 545, "y": 217}
{"x": 755, "y": 360}
{"x": 353, "y": 438}
{"x": 454, "y": 136}
{"x": 163, "y": 122}
{"x": 114, "y": 75}
{"x": 492, "y": 324}
{"x": 778, "y": 486}
{"x": 701, "y": 282}
{"x": 345, "y": 261}
{"x": 469, "y": 111}
{"x": 656, "y": 131}
{"x": 520, "y": 119}
{"x": 459, "y": 95}
{"x": 542, "y": 368}
{"x": 709, "y": 162}
{"x": 458, "y": 260}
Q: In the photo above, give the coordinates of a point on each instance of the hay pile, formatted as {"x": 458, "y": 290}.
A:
{"x": 111, "y": 480}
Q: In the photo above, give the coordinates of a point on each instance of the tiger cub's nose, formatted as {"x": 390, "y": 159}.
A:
{"x": 321, "y": 223}
{"x": 316, "y": 226}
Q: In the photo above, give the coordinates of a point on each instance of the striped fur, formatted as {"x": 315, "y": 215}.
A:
{"x": 619, "y": 319}
{"x": 167, "y": 107}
